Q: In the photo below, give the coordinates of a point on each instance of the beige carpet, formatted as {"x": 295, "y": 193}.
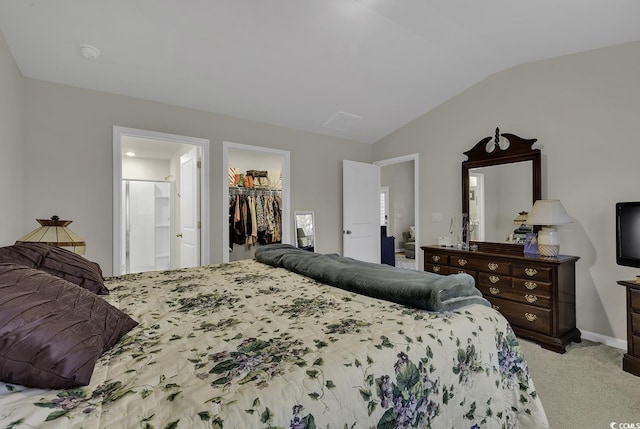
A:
{"x": 403, "y": 262}
{"x": 585, "y": 387}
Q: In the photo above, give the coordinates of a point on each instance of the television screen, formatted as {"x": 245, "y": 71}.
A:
{"x": 628, "y": 234}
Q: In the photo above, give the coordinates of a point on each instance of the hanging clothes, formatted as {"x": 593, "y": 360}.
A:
{"x": 255, "y": 219}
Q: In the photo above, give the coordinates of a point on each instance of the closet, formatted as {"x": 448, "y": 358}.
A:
{"x": 255, "y": 206}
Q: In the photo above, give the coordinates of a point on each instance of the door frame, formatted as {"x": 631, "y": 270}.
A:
{"x": 205, "y": 235}
{"x": 415, "y": 157}
{"x": 286, "y": 180}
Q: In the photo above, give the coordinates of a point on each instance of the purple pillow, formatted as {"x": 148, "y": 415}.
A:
{"x": 58, "y": 262}
{"x": 51, "y": 331}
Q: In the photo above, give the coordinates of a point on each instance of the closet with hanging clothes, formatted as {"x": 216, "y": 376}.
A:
{"x": 255, "y": 202}
{"x": 255, "y": 217}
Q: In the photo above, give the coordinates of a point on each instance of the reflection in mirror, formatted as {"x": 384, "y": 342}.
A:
{"x": 305, "y": 232}
{"x": 497, "y": 195}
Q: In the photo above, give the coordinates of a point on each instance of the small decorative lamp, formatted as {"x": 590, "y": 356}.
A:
{"x": 55, "y": 233}
{"x": 548, "y": 213}
{"x": 521, "y": 219}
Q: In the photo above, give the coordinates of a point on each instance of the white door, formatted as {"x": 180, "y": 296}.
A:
{"x": 189, "y": 210}
{"x": 361, "y": 211}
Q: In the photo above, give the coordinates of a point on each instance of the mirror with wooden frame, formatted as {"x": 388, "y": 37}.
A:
{"x": 501, "y": 179}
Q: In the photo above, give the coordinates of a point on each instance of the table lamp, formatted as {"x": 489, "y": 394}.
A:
{"x": 548, "y": 213}
{"x": 54, "y": 232}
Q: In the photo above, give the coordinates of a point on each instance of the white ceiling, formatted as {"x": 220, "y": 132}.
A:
{"x": 296, "y": 63}
{"x": 149, "y": 148}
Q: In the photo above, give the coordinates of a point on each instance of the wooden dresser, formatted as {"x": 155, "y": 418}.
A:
{"x": 631, "y": 360}
{"x": 536, "y": 294}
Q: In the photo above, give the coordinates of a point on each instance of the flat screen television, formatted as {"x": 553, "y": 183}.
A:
{"x": 628, "y": 234}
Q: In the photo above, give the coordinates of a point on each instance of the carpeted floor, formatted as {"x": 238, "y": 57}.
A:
{"x": 404, "y": 262}
{"x": 585, "y": 387}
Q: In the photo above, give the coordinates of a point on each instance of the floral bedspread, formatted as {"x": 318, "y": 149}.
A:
{"x": 247, "y": 345}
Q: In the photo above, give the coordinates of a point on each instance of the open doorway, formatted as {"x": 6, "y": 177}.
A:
{"x": 160, "y": 201}
{"x": 399, "y": 185}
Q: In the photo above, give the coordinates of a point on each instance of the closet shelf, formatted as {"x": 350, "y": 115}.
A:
{"x": 243, "y": 189}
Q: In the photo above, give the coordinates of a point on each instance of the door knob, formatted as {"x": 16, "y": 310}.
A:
{"x": 179, "y": 235}
{"x": 347, "y": 232}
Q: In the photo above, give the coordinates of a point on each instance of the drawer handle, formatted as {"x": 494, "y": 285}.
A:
{"x": 530, "y": 317}
{"x": 495, "y": 307}
{"x": 530, "y": 298}
{"x": 436, "y": 258}
{"x": 530, "y": 272}
{"x": 530, "y": 285}
{"x": 494, "y": 279}
{"x": 494, "y": 290}
{"x": 461, "y": 272}
{"x": 492, "y": 266}
{"x": 462, "y": 262}
{"x": 436, "y": 269}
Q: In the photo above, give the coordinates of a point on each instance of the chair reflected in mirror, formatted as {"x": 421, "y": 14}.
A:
{"x": 305, "y": 230}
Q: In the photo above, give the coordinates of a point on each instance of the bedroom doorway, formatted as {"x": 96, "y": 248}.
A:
{"x": 160, "y": 201}
{"x": 400, "y": 177}
{"x": 370, "y": 223}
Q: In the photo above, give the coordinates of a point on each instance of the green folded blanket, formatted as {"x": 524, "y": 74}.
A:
{"x": 419, "y": 289}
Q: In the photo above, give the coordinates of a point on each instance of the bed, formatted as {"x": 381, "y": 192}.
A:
{"x": 251, "y": 345}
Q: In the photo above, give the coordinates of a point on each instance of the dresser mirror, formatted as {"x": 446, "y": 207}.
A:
{"x": 501, "y": 179}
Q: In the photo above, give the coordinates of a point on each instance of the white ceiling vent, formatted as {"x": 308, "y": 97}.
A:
{"x": 342, "y": 121}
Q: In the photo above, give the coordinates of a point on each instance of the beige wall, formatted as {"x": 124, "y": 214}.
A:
{"x": 11, "y": 157}
{"x": 68, "y": 142}
{"x": 584, "y": 109}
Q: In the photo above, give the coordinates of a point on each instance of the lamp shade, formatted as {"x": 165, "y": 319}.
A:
{"x": 548, "y": 212}
{"x": 521, "y": 219}
{"x": 54, "y": 232}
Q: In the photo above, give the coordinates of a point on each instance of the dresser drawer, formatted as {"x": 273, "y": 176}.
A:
{"x": 532, "y": 272}
{"x": 532, "y": 286}
{"x": 634, "y": 300}
{"x": 438, "y": 269}
{"x": 496, "y": 280}
{"x": 522, "y": 315}
{"x": 515, "y": 295}
{"x": 456, "y": 270}
{"x": 436, "y": 258}
{"x": 635, "y": 323}
{"x": 634, "y": 349}
{"x": 480, "y": 264}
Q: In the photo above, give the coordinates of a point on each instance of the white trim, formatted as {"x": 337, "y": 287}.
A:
{"x": 416, "y": 192}
{"x": 118, "y": 133}
{"x": 385, "y": 190}
{"x": 286, "y": 194}
{"x": 604, "y": 339}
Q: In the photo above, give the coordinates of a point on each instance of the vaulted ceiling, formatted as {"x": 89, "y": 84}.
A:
{"x": 355, "y": 69}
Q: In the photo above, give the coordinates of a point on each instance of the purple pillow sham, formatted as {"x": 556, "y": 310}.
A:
{"x": 58, "y": 262}
{"x": 51, "y": 331}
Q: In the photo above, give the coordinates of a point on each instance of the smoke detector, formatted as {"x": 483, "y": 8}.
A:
{"x": 89, "y": 52}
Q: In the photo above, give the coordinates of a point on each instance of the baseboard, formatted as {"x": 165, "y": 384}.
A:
{"x": 604, "y": 339}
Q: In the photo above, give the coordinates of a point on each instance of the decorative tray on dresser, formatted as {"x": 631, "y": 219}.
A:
{"x": 536, "y": 294}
